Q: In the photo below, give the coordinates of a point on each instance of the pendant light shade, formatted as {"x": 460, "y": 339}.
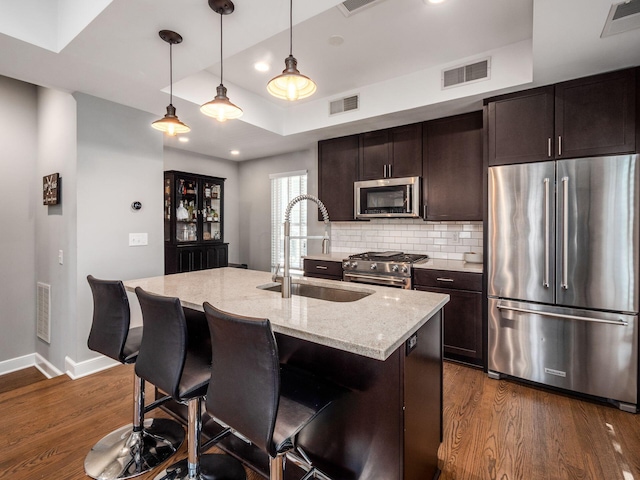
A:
{"x": 221, "y": 107}
{"x": 291, "y": 84}
{"x": 170, "y": 123}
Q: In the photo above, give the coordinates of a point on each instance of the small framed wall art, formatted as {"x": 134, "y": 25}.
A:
{"x": 50, "y": 191}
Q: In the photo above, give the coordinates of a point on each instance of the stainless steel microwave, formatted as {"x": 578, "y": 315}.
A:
{"x": 387, "y": 198}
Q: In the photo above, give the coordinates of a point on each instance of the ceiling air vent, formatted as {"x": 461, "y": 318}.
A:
{"x": 622, "y": 17}
{"x": 350, "y": 7}
{"x": 472, "y": 72}
{"x": 345, "y": 104}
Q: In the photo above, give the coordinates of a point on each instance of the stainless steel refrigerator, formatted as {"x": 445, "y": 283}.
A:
{"x": 563, "y": 275}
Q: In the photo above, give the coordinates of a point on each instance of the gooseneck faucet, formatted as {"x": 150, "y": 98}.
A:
{"x": 286, "y": 276}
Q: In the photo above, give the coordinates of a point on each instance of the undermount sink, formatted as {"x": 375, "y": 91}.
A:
{"x": 320, "y": 292}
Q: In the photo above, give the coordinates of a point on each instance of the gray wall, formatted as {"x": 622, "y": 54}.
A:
{"x": 195, "y": 163}
{"x": 56, "y": 224}
{"x": 255, "y": 204}
{"x": 19, "y": 192}
{"x": 119, "y": 161}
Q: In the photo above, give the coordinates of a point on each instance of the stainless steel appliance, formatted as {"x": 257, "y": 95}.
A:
{"x": 563, "y": 275}
{"x": 387, "y": 198}
{"x": 391, "y": 269}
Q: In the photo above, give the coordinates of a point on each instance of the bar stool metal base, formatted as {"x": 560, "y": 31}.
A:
{"x": 124, "y": 453}
{"x": 212, "y": 467}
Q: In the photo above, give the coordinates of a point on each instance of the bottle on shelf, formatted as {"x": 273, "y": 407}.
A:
{"x": 181, "y": 212}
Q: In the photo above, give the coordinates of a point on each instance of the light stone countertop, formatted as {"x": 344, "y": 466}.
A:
{"x": 330, "y": 257}
{"x": 374, "y": 326}
{"x": 451, "y": 265}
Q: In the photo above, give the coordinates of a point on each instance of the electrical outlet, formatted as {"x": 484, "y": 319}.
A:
{"x": 138, "y": 239}
{"x": 455, "y": 238}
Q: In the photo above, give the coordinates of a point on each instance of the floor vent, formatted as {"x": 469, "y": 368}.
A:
{"x": 44, "y": 311}
{"x": 472, "y": 72}
{"x": 345, "y": 104}
{"x": 622, "y": 17}
{"x": 349, "y": 7}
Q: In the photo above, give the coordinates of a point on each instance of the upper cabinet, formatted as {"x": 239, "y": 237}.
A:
{"x": 452, "y": 168}
{"x": 337, "y": 171}
{"x": 585, "y": 117}
{"x": 391, "y": 153}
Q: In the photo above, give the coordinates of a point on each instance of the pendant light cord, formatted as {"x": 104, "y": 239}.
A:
{"x": 170, "y": 73}
{"x": 291, "y": 28}
{"x": 221, "y": 63}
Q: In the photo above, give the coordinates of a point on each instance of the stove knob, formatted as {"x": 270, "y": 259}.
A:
{"x": 374, "y": 266}
{"x": 354, "y": 264}
{"x": 346, "y": 264}
{"x": 395, "y": 268}
{"x": 405, "y": 269}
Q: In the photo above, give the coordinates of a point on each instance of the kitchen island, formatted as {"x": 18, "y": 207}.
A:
{"x": 386, "y": 348}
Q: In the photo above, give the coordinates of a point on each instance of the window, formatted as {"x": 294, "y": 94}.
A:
{"x": 284, "y": 188}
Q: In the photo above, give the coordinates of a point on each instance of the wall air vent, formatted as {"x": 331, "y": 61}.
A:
{"x": 349, "y": 7}
{"x": 472, "y": 72}
{"x": 623, "y": 16}
{"x": 43, "y": 299}
{"x": 345, "y": 104}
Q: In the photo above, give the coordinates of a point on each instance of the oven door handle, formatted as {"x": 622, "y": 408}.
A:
{"x": 355, "y": 277}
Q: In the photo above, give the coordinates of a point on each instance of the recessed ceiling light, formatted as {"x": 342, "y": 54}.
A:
{"x": 261, "y": 66}
{"x": 336, "y": 40}
{"x": 433, "y": 2}
{"x": 234, "y": 152}
{"x": 183, "y": 139}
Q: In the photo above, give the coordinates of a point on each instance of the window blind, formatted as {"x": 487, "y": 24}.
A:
{"x": 284, "y": 188}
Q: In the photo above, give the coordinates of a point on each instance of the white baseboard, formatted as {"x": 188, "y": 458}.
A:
{"x": 30, "y": 360}
{"x": 87, "y": 367}
{"x": 47, "y": 368}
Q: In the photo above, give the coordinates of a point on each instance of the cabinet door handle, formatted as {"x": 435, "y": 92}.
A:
{"x": 559, "y": 145}
{"x": 424, "y": 211}
{"x": 549, "y": 153}
{"x": 390, "y": 170}
{"x": 442, "y": 279}
{"x": 321, "y": 267}
{"x": 384, "y": 174}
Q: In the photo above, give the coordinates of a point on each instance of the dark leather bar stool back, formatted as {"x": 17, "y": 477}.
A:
{"x": 176, "y": 357}
{"x": 250, "y": 391}
{"x": 139, "y": 447}
{"x": 110, "y": 332}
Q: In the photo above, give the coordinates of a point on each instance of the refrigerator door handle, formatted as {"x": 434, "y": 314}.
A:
{"x": 619, "y": 322}
{"x": 545, "y": 280}
{"x": 564, "y": 283}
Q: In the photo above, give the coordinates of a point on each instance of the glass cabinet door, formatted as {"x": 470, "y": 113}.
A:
{"x": 211, "y": 211}
{"x": 186, "y": 210}
{"x": 167, "y": 209}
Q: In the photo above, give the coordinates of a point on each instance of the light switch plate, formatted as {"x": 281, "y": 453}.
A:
{"x": 138, "y": 239}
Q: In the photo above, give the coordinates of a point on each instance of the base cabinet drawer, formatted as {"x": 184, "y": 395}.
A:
{"x": 326, "y": 269}
{"x": 462, "y": 315}
{"x": 182, "y": 259}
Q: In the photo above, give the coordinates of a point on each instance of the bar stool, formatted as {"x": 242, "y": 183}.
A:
{"x": 135, "y": 448}
{"x": 252, "y": 393}
{"x": 177, "y": 360}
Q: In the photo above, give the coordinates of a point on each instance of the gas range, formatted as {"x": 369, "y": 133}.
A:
{"x": 389, "y": 268}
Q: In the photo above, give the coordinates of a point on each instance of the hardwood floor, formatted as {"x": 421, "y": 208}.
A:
{"x": 493, "y": 430}
{"x": 21, "y": 378}
{"x": 504, "y": 430}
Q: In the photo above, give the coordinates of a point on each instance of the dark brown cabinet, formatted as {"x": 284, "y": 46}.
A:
{"x": 327, "y": 269}
{"x": 452, "y": 168}
{"x": 193, "y": 222}
{"x": 394, "y": 152}
{"x": 589, "y": 116}
{"x": 337, "y": 171}
{"x": 462, "y": 315}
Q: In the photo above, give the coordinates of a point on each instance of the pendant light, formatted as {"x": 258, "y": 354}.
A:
{"x": 170, "y": 124}
{"x": 291, "y": 84}
{"x": 220, "y": 107}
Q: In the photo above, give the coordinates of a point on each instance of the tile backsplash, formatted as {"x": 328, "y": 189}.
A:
{"x": 448, "y": 240}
